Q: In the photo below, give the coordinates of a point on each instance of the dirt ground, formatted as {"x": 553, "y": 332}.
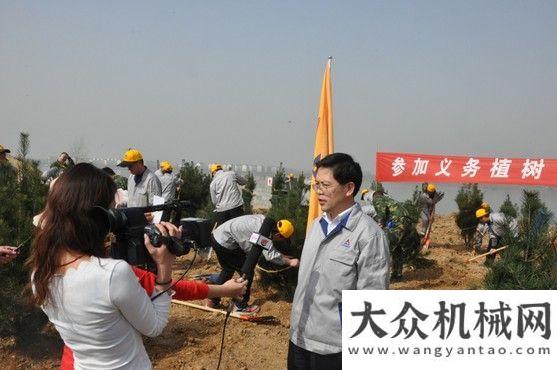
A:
{"x": 192, "y": 338}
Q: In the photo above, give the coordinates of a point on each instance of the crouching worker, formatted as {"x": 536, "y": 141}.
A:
{"x": 231, "y": 243}
{"x": 494, "y": 225}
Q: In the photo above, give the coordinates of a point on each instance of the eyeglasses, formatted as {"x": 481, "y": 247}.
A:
{"x": 324, "y": 187}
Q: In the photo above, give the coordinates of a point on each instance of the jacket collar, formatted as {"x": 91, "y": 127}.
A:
{"x": 138, "y": 178}
{"x": 350, "y": 221}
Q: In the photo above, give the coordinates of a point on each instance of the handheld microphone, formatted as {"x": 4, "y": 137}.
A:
{"x": 253, "y": 256}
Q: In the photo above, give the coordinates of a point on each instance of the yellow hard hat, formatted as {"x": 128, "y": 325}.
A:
{"x": 430, "y": 188}
{"x": 4, "y": 150}
{"x": 130, "y": 157}
{"x": 285, "y": 228}
{"x": 215, "y": 167}
{"x": 166, "y": 166}
{"x": 481, "y": 213}
{"x": 485, "y": 205}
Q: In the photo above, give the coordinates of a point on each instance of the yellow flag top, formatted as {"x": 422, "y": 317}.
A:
{"x": 323, "y": 138}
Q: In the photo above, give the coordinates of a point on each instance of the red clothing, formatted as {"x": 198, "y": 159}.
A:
{"x": 185, "y": 291}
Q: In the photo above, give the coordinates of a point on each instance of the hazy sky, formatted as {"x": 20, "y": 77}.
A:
{"x": 220, "y": 80}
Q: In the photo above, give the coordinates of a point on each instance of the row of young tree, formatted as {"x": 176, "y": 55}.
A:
{"x": 530, "y": 260}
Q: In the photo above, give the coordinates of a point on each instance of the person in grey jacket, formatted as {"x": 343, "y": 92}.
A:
{"x": 225, "y": 194}
{"x": 63, "y": 163}
{"x": 493, "y": 225}
{"x": 170, "y": 182}
{"x": 367, "y": 202}
{"x": 344, "y": 249}
{"x": 143, "y": 184}
{"x": 429, "y": 198}
{"x": 231, "y": 243}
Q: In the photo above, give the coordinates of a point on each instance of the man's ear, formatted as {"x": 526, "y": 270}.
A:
{"x": 350, "y": 187}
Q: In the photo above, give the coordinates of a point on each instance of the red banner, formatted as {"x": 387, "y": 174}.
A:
{"x": 404, "y": 167}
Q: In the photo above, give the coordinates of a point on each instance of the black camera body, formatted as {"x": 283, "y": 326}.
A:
{"x": 129, "y": 225}
{"x": 175, "y": 246}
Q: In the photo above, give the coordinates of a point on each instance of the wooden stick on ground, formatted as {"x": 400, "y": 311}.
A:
{"x": 209, "y": 309}
{"x": 493, "y": 251}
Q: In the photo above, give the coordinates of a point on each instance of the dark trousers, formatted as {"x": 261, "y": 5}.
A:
{"x": 222, "y": 217}
{"x": 397, "y": 262}
{"x": 231, "y": 261}
{"x": 302, "y": 359}
{"x": 493, "y": 244}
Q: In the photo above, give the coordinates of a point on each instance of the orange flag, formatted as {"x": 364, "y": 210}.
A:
{"x": 323, "y": 138}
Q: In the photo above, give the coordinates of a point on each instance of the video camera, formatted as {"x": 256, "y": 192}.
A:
{"x": 129, "y": 225}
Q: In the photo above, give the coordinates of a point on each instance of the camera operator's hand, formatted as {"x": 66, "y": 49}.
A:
{"x": 7, "y": 254}
{"x": 162, "y": 257}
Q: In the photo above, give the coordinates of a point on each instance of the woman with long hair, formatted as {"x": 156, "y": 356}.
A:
{"x": 95, "y": 303}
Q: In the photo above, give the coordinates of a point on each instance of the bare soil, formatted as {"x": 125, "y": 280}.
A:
{"x": 192, "y": 338}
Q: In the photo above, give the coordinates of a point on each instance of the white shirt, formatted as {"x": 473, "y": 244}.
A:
{"x": 331, "y": 224}
{"x": 100, "y": 311}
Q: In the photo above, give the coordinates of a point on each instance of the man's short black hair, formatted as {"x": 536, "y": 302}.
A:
{"x": 109, "y": 171}
{"x": 344, "y": 169}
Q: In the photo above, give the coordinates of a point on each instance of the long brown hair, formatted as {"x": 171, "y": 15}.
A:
{"x": 65, "y": 224}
